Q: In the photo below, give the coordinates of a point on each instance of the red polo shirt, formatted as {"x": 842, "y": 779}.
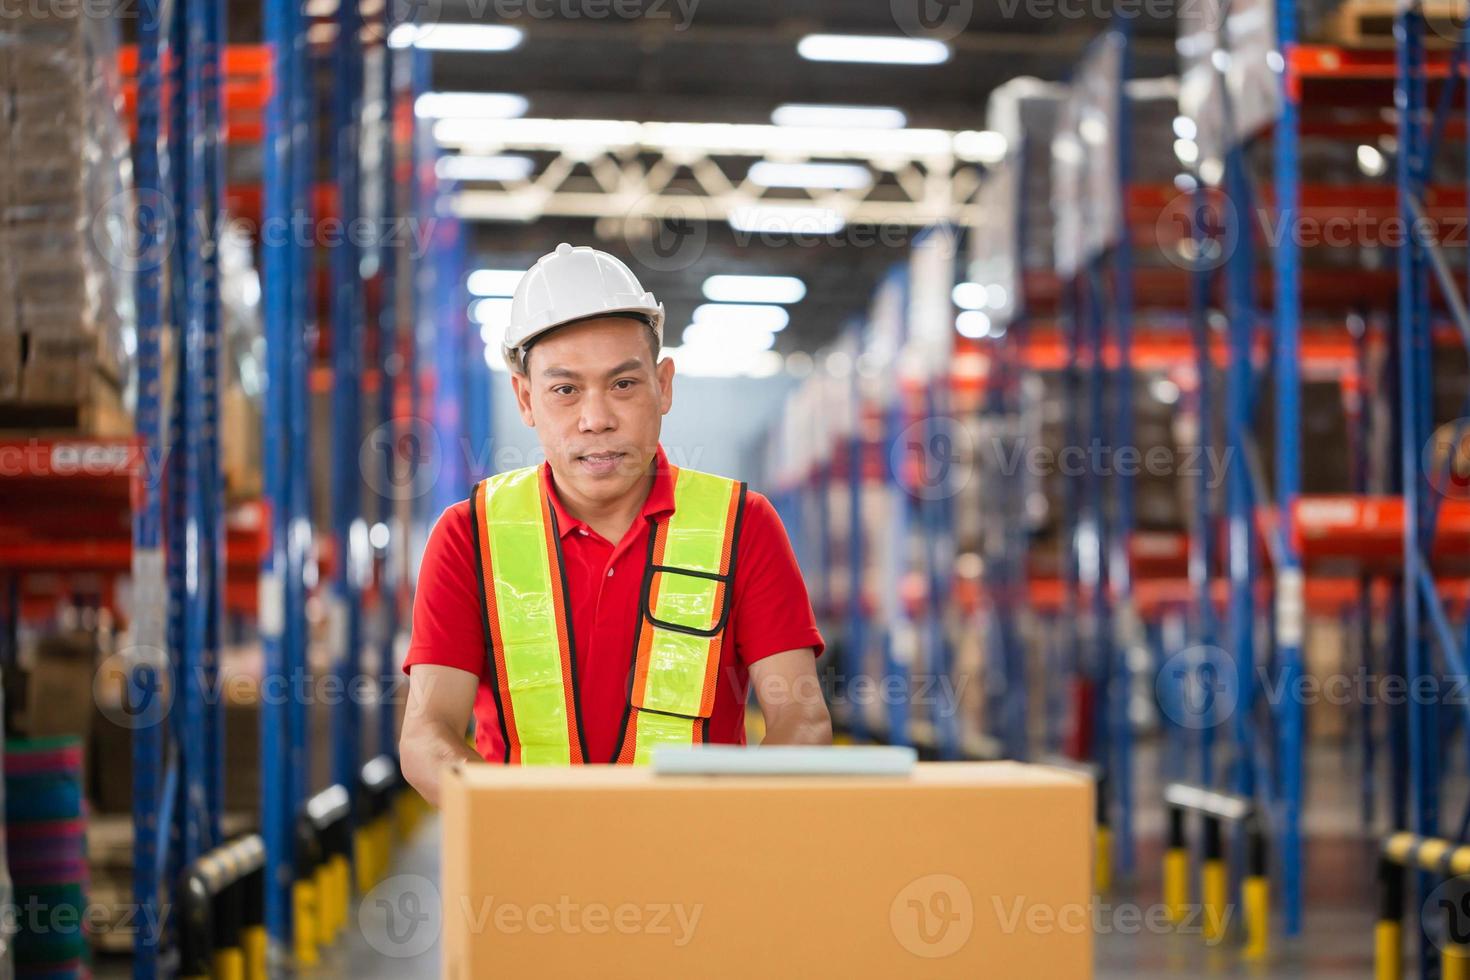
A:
{"x": 770, "y": 612}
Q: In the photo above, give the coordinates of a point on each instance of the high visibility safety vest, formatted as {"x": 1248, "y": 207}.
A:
{"x": 684, "y": 605}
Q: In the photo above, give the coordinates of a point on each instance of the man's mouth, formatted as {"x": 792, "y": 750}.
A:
{"x": 601, "y": 462}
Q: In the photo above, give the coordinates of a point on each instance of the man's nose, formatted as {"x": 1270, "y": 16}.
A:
{"x": 597, "y": 415}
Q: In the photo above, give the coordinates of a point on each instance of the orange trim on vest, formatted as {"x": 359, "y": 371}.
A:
{"x": 712, "y": 666}
{"x": 503, "y": 704}
{"x": 563, "y": 628}
{"x": 645, "y": 632}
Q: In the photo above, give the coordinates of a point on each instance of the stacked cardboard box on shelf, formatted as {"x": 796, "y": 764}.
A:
{"x": 65, "y": 211}
{"x": 1370, "y": 23}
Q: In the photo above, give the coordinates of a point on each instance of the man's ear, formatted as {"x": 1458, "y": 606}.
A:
{"x": 664, "y": 372}
{"x": 522, "y": 385}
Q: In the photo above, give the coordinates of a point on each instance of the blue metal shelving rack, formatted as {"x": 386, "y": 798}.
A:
{"x": 1264, "y": 741}
{"x": 390, "y": 367}
{"x": 895, "y": 629}
{"x": 855, "y": 638}
{"x": 282, "y": 597}
{"x": 150, "y": 662}
{"x": 1098, "y": 306}
{"x": 1005, "y": 570}
{"x": 349, "y": 532}
{"x": 178, "y": 560}
{"x": 1420, "y": 262}
{"x": 1290, "y": 611}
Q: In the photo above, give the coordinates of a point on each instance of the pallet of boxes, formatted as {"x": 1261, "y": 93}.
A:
{"x": 65, "y": 224}
{"x": 1370, "y": 23}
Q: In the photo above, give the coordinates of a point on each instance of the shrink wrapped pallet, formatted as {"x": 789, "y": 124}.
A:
{"x": 66, "y": 316}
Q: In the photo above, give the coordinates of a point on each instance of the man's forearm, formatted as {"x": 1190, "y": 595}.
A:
{"x": 425, "y": 754}
{"x": 799, "y": 728}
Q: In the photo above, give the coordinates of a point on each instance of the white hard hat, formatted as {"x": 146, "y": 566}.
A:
{"x": 574, "y": 283}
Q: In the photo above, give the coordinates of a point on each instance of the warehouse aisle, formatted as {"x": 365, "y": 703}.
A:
{"x": 1337, "y": 942}
{"x": 393, "y": 931}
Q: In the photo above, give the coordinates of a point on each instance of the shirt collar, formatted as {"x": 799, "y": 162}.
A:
{"x": 659, "y": 502}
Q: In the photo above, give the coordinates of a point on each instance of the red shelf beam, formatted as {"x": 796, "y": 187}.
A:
{"x": 1370, "y": 529}
{"x": 247, "y": 89}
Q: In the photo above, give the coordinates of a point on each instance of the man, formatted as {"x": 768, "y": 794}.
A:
{"x": 605, "y": 602}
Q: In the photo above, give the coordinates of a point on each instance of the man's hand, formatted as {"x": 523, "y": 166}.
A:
{"x": 440, "y": 700}
{"x": 790, "y": 696}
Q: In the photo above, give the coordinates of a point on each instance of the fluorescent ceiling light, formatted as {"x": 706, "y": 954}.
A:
{"x": 799, "y": 363}
{"x": 730, "y": 339}
{"x": 493, "y": 312}
{"x": 1371, "y": 162}
{"x": 470, "y": 105}
{"x": 828, "y": 176}
{"x": 742, "y": 316}
{"x": 776, "y": 220}
{"x": 974, "y": 324}
{"x": 754, "y": 289}
{"x": 503, "y": 167}
{"x": 970, "y": 296}
{"x": 494, "y": 282}
{"x": 715, "y": 139}
{"x": 1164, "y": 390}
{"x": 1093, "y": 130}
{"x": 980, "y": 146}
{"x": 692, "y": 360}
{"x": 1066, "y": 149}
{"x": 456, "y": 37}
{"x": 1185, "y": 128}
{"x": 839, "y": 116}
{"x": 873, "y": 49}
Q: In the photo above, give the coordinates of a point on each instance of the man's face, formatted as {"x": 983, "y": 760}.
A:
{"x": 596, "y": 400}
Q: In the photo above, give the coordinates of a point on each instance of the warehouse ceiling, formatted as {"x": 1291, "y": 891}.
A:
{"x": 735, "y": 61}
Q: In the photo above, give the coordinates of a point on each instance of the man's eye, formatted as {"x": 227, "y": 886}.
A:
{"x": 624, "y": 384}
{"x": 563, "y": 390}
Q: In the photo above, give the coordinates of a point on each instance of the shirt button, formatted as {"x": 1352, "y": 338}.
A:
{"x": 609, "y": 573}
{"x": 582, "y": 531}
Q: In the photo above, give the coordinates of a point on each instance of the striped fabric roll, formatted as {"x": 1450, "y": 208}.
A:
{"x": 46, "y": 857}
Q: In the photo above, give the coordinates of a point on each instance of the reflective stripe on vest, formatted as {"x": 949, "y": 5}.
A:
{"x": 684, "y": 606}
{"x": 533, "y": 666}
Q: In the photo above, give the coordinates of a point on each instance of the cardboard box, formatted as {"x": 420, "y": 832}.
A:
{"x": 58, "y": 367}
{"x": 9, "y": 364}
{"x": 240, "y": 444}
{"x": 110, "y": 789}
{"x": 58, "y": 687}
{"x": 960, "y": 870}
